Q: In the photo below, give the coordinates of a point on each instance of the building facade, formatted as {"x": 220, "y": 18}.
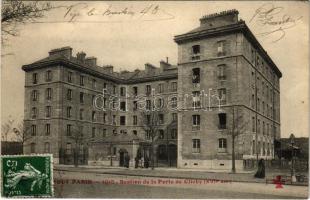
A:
{"x": 224, "y": 88}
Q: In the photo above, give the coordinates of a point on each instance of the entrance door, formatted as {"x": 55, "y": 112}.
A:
{"x": 121, "y": 159}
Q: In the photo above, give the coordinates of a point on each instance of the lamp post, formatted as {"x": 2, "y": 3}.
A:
{"x": 292, "y": 140}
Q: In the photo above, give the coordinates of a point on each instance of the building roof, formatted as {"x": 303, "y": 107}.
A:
{"x": 205, "y": 31}
{"x": 157, "y": 73}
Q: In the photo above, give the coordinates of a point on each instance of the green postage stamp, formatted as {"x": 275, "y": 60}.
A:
{"x": 27, "y": 175}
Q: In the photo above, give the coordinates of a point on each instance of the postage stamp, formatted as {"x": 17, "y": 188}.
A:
{"x": 27, "y": 175}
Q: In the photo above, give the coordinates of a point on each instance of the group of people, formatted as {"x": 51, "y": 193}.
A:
{"x": 142, "y": 162}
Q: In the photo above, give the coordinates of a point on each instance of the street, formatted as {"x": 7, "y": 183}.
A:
{"x": 94, "y": 185}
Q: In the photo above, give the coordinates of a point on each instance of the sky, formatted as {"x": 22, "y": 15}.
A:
{"x": 143, "y": 32}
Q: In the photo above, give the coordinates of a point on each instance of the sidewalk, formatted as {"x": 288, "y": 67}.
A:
{"x": 244, "y": 176}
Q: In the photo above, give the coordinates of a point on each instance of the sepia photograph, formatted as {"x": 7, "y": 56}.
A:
{"x": 155, "y": 99}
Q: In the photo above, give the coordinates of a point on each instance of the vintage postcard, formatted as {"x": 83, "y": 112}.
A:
{"x": 152, "y": 99}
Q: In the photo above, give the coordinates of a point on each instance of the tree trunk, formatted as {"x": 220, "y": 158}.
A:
{"x": 233, "y": 167}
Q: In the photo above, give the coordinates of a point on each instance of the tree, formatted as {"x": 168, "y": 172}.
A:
{"x": 238, "y": 127}
{"x": 17, "y": 12}
{"x": 21, "y": 132}
{"x": 6, "y": 128}
{"x": 150, "y": 120}
{"x": 80, "y": 141}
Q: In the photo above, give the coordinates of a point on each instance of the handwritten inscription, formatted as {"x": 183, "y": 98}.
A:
{"x": 78, "y": 12}
{"x": 276, "y": 20}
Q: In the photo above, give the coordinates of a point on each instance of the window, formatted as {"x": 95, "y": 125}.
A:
{"x": 253, "y": 124}
{"x": 174, "y": 117}
{"x": 196, "y": 99}
{"x": 174, "y": 102}
{"x": 34, "y": 78}
{"x": 135, "y": 120}
{"x": 222, "y": 72}
{"x": 160, "y": 102}
{"x": 160, "y": 88}
{"x": 68, "y": 148}
{"x": 148, "y": 134}
{"x": 69, "y": 127}
{"x": 222, "y": 143}
{"x": 222, "y": 94}
{"x": 81, "y": 114}
{"x": 47, "y": 147}
{"x": 49, "y": 93}
{"x": 220, "y": 48}
{"x": 48, "y": 111}
{"x": 263, "y": 104}
{"x": 161, "y": 134}
{"x": 148, "y": 104}
{"x": 135, "y": 105}
{"x": 196, "y": 120}
{"x": 47, "y": 129}
{"x": 258, "y": 105}
{"x": 33, "y": 112}
{"x": 123, "y": 106}
{"x": 70, "y": 77}
{"x": 69, "y": 94}
{"x": 81, "y": 97}
{"x": 104, "y": 118}
{"x": 94, "y": 83}
{"x": 135, "y": 91}
{"x": 148, "y": 119}
{"x": 196, "y": 145}
{"x": 93, "y": 132}
{"x": 114, "y": 89}
{"x": 160, "y": 118}
{"x": 123, "y": 91}
{"x": 114, "y": 151}
{"x": 196, "y": 49}
{"x": 82, "y": 80}
{"x": 33, "y": 130}
{"x": 196, "y": 75}
{"x": 173, "y": 133}
{"x": 105, "y": 85}
{"x": 148, "y": 89}
{"x": 114, "y": 119}
{"x": 258, "y": 126}
{"x": 93, "y": 116}
{"x": 48, "y": 75}
{"x": 222, "y": 120}
{"x": 253, "y": 101}
{"x": 104, "y": 132}
{"x": 69, "y": 109}
{"x": 34, "y": 95}
{"x": 32, "y": 147}
{"x": 174, "y": 86}
{"x": 134, "y": 132}
{"x": 122, "y": 120}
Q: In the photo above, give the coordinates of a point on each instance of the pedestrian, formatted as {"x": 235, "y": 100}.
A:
{"x": 146, "y": 162}
{"x": 260, "y": 170}
{"x": 142, "y": 162}
{"x": 127, "y": 159}
{"x": 136, "y": 162}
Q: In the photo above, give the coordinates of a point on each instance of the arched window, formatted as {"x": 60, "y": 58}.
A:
{"x": 47, "y": 148}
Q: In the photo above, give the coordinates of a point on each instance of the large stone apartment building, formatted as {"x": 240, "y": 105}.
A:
{"x": 223, "y": 85}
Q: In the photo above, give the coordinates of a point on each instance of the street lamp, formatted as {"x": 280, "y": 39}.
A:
{"x": 292, "y": 140}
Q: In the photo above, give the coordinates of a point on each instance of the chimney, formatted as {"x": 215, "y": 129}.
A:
{"x": 64, "y": 51}
{"x": 91, "y": 61}
{"x": 220, "y": 19}
{"x": 149, "y": 68}
{"x": 108, "y": 69}
{"x": 81, "y": 56}
{"x": 167, "y": 60}
{"x": 164, "y": 65}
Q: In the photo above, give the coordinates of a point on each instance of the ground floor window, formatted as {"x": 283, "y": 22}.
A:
{"x": 196, "y": 145}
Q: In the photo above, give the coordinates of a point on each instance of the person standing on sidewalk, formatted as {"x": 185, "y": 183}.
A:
{"x": 261, "y": 169}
